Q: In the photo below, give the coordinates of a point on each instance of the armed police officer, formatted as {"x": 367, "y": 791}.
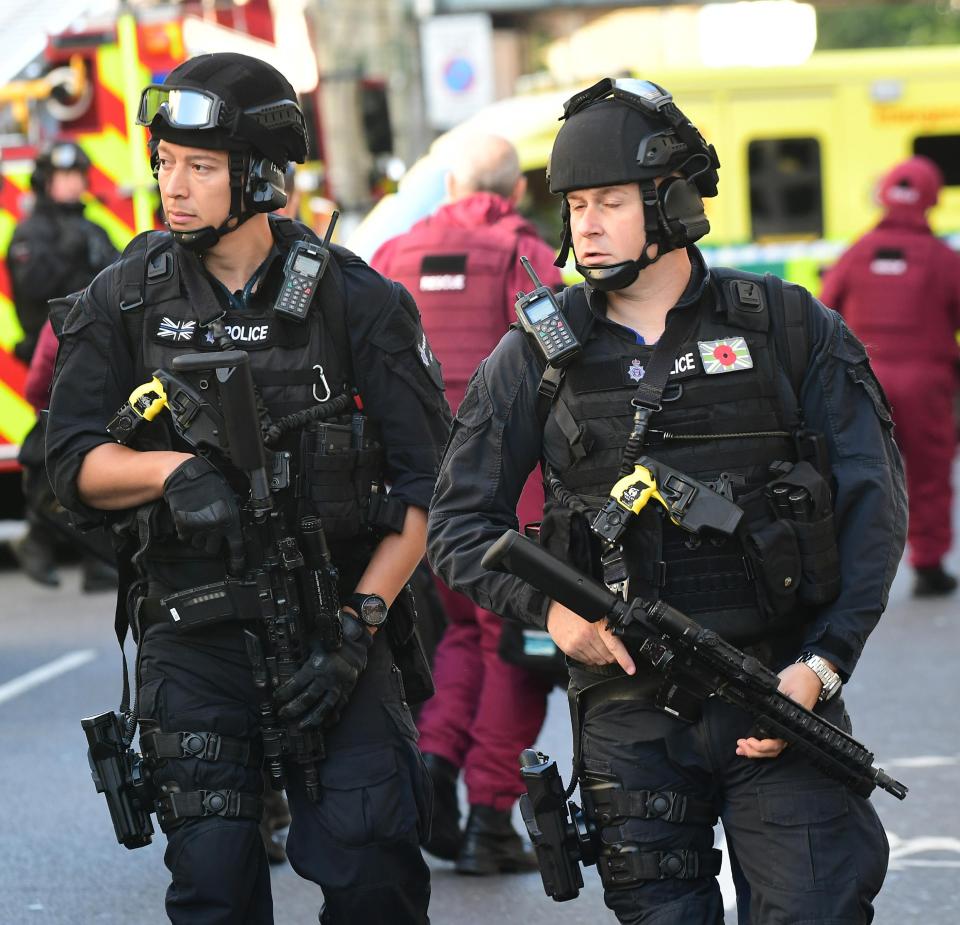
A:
{"x": 223, "y": 127}
{"x": 688, "y": 384}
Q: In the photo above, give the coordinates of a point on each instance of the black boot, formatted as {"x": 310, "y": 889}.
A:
{"x": 97, "y": 576}
{"x": 932, "y": 582}
{"x": 492, "y": 846}
{"x": 35, "y": 557}
{"x": 445, "y": 834}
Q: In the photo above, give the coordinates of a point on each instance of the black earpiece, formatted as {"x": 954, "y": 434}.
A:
{"x": 681, "y": 211}
{"x": 264, "y": 190}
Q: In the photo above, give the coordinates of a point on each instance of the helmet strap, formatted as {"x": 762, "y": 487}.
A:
{"x": 620, "y": 275}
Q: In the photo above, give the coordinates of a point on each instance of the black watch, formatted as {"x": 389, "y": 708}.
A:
{"x": 370, "y": 608}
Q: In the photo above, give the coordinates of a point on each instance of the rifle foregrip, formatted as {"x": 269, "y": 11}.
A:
{"x": 519, "y": 556}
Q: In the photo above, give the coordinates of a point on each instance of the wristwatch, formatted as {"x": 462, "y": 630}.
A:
{"x": 828, "y": 677}
{"x": 370, "y": 608}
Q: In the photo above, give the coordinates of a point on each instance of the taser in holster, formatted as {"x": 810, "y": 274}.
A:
{"x": 540, "y": 314}
{"x": 145, "y": 403}
{"x": 690, "y": 504}
{"x": 305, "y": 266}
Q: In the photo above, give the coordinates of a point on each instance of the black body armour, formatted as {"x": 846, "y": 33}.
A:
{"x": 728, "y": 414}
{"x": 329, "y": 465}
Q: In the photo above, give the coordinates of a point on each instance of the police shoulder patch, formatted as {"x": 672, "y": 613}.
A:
{"x": 727, "y": 355}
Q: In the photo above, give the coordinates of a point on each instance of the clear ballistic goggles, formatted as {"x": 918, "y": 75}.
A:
{"x": 180, "y": 108}
{"x": 193, "y": 109}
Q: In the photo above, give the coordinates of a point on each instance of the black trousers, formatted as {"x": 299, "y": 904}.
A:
{"x": 360, "y": 843}
{"x": 804, "y": 850}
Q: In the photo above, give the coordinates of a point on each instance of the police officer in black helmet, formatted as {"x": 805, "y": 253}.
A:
{"x": 748, "y": 388}
{"x": 56, "y": 249}
{"x": 223, "y": 128}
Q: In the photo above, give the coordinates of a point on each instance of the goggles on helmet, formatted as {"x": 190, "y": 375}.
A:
{"x": 196, "y": 110}
{"x": 180, "y": 108}
{"x": 66, "y": 157}
{"x": 643, "y": 95}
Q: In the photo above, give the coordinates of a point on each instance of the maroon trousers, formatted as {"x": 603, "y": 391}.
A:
{"x": 921, "y": 394}
{"x": 485, "y": 711}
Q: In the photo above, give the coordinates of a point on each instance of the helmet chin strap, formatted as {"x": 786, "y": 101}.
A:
{"x": 204, "y": 238}
{"x": 620, "y": 275}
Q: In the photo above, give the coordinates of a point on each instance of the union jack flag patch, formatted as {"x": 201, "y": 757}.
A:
{"x": 176, "y": 330}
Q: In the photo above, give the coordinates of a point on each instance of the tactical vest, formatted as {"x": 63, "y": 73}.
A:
{"x": 336, "y": 466}
{"x": 456, "y": 276}
{"x": 729, "y": 413}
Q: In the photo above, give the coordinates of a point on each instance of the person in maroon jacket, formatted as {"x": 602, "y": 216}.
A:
{"x": 462, "y": 265}
{"x": 898, "y": 288}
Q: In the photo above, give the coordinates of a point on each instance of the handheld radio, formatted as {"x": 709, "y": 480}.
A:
{"x": 539, "y": 313}
{"x": 305, "y": 266}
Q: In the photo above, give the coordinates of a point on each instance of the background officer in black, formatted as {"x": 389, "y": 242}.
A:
{"x": 223, "y": 127}
{"x": 697, "y": 370}
{"x": 55, "y": 250}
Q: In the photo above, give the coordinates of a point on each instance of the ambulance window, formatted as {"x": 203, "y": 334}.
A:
{"x": 786, "y": 188}
{"x": 944, "y": 151}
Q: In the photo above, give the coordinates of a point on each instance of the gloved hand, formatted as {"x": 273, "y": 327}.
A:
{"x": 205, "y": 509}
{"x": 318, "y": 692}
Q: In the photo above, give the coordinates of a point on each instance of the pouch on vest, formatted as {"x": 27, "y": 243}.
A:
{"x": 801, "y": 498}
{"x": 336, "y": 476}
{"x": 775, "y": 555}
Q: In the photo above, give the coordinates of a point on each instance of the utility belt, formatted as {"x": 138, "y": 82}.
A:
{"x": 233, "y": 601}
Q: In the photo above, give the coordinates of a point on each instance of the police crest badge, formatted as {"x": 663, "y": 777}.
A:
{"x": 725, "y": 356}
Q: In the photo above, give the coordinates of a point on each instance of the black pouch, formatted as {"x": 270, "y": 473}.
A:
{"x": 820, "y": 561}
{"x": 407, "y": 648}
{"x": 335, "y": 478}
{"x": 815, "y": 533}
{"x": 775, "y": 557}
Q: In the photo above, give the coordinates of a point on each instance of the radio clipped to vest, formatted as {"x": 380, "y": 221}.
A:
{"x": 540, "y": 315}
{"x": 305, "y": 266}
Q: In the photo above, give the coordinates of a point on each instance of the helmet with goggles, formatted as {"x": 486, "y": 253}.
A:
{"x": 630, "y": 131}
{"x": 60, "y": 155}
{"x": 238, "y": 104}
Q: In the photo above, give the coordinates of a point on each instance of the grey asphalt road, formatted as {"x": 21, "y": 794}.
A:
{"x": 60, "y": 865}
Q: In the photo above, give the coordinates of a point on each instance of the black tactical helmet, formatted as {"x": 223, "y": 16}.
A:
{"x": 228, "y": 102}
{"x": 630, "y": 131}
{"x": 60, "y": 155}
{"x": 234, "y": 103}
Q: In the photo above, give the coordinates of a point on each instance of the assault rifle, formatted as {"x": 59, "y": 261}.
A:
{"x": 696, "y": 663}
{"x": 290, "y": 577}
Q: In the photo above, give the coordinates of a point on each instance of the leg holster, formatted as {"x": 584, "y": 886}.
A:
{"x": 174, "y": 806}
{"x": 623, "y": 862}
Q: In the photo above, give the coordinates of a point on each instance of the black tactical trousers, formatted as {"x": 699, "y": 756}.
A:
{"x": 803, "y": 848}
{"x": 360, "y": 843}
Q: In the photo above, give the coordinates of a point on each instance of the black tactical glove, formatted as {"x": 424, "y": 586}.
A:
{"x": 318, "y": 692}
{"x": 205, "y": 509}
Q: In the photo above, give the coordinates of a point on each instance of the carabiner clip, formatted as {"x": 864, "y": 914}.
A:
{"x": 323, "y": 381}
